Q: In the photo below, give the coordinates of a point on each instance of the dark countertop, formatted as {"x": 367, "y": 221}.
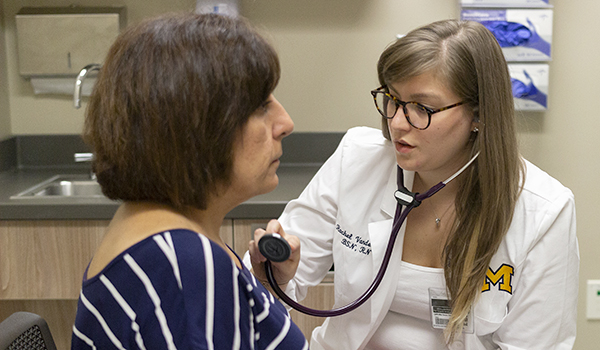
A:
{"x": 292, "y": 180}
{"x": 37, "y": 160}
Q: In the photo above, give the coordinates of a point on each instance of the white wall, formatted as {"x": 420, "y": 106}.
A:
{"x": 329, "y": 50}
{"x": 566, "y": 143}
{"x": 5, "y": 129}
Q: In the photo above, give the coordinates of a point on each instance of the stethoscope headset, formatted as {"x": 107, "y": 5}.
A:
{"x": 275, "y": 248}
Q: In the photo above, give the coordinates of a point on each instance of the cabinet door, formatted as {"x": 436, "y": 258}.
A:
{"x": 46, "y": 259}
{"x": 41, "y": 267}
{"x": 319, "y": 297}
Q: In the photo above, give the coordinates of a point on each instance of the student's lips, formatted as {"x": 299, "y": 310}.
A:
{"x": 403, "y": 147}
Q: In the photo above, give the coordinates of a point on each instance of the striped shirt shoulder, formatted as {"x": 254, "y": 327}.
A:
{"x": 179, "y": 290}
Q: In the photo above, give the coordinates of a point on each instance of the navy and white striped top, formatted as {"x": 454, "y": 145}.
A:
{"x": 179, "y": 290}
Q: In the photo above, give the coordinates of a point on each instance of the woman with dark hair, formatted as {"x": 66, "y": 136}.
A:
{"x": 184, "y": 127}
{"x": 488, "y": 262}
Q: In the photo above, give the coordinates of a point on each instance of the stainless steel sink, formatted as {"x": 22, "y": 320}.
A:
{"x": 59, "y": 186}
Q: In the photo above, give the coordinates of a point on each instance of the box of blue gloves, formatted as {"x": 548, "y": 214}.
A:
{"x": 523, "y": 34}
{"x": 529, "y": 85}
{"x": 505, "y": 3}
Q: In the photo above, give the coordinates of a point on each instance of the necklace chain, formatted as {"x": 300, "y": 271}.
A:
{"x": 438, "y": 219}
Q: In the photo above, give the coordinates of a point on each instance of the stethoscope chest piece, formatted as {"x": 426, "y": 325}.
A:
{"x": 273, "y": 247}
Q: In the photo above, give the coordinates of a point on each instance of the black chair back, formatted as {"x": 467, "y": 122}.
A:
{"x": 25, "y": 331}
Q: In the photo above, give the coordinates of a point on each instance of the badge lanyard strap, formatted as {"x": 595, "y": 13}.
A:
{"x": 404, "y": 198}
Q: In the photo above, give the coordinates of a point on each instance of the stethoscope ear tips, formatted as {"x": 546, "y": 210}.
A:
{"x": 274, "y": 247}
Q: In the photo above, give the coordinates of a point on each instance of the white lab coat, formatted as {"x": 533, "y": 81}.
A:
{"x": 344, "y": 217}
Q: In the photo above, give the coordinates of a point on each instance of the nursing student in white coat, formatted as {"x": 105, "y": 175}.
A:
{"x": 498, "y": 242}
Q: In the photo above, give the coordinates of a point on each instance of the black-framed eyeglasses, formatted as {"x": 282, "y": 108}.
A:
{"x": 418, "y": 116}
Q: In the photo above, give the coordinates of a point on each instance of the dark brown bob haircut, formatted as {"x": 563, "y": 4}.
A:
{"x": 171, "y": 97}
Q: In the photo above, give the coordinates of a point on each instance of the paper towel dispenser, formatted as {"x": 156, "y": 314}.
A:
{"x": 59, "y": 41}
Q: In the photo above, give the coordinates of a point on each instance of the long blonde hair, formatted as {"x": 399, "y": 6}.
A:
{"x": 467, "y": 56}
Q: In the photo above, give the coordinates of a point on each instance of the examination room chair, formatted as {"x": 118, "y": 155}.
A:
{"x": 25, "y": 331}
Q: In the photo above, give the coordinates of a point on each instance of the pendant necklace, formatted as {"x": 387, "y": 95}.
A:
{"x": 438, "y": 219}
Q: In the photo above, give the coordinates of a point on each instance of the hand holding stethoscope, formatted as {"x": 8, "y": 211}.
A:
{"x": 275, "y": 247}
{"x": 289, "y": 257}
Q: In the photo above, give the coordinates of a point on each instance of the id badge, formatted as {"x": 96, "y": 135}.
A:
{"x": 439, "y": 305}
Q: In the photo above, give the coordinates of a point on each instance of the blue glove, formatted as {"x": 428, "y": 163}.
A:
{"x": 536, "y": 42}
{"x": 528, "y": 91}
{"x": 508, "y": 34}
{"x": 511, "y": 34}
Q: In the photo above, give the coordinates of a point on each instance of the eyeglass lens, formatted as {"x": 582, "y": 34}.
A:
{"x": 416, "y": 114}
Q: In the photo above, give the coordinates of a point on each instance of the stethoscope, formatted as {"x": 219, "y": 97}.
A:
{"x": 273, "y": 247}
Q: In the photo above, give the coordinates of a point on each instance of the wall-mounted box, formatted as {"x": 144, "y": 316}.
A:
{"x": 59, "y": 41}
{"x": 530, "y": 85}
{"x": 523, "y": 34}
{"x": 506, "y": 3}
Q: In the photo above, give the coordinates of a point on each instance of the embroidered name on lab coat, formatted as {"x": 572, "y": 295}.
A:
{"x": 354, "y": 243}
{"x": 502, "y": 278}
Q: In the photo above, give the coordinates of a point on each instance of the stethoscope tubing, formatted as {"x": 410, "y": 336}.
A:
{"x": 399, "y": 218}
{"x": 366, "y": 295}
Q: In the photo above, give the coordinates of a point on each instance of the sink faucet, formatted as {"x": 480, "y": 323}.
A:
{"x": 79, "y": 81}
{"x": 85, "y": 157}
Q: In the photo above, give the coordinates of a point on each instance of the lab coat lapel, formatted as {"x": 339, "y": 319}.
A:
{"x": 380, "y": 232}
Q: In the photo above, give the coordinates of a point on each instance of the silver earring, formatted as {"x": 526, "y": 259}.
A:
{"x": 476, "y": 129}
